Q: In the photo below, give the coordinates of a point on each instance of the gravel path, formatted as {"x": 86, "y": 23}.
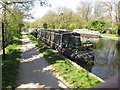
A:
{"x": 35, "y": 71}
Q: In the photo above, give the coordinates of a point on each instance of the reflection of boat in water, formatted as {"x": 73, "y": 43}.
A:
{"x": 87, "y": 33}
{"x": 92, "y": 40}
{"x": 85, "y": 56}
{"x": 87, "y": 66}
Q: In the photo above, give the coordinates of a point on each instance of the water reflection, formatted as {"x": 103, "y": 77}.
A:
{"x": 118, "y": 47}
{"x": 107, "y": 57}
{"x": 89, "y": 66}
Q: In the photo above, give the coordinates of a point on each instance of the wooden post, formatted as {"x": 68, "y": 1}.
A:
{"x": 3, "y": 29}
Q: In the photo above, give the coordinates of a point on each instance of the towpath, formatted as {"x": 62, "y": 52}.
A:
{"x": 34, "y": 70}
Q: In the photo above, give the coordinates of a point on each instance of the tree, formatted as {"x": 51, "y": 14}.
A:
{"x": 61, "y": 18}
{"x": 85, "y": 10}
{"x": 111, "y": 11}
{"x": 13, "y": 22}
{"x": 45, "y": 25}
{"x": 75, "y": 22}
{"x": 98, "y": 8}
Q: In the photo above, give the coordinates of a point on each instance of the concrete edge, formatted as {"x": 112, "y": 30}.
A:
{"x": 78, "y": 66}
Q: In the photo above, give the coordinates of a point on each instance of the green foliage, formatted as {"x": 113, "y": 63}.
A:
{"x": 71, "y": 26}
{"x": 97, "y": 25}
{"x": 45, "y": 25}
{"x": 114, "y": 30}
{"x": 12, "y": 25}
{"x": 52, "y": 26}
{"x": 66, "y": 20}
{"x": 11, "y": 63}
{"x": 77, "y": 77}
{"x": 110, "y": 35}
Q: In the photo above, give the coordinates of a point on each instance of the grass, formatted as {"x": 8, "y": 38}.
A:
{"x": 76, "y": 77}
{"x": 11, "y": 63}
{"x": 110, "y": 35}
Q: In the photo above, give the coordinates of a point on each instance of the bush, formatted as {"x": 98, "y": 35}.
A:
{"x": 114, "y": 30}
{"x": 97, "y": 25}
{"x": 71, "y": 26}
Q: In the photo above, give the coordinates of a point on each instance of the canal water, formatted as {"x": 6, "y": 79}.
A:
{"x": 107, "y": 58}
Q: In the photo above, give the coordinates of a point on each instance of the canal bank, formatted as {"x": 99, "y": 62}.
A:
{"x": 76, "y": 76}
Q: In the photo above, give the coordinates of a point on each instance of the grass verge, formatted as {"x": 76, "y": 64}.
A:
{"x": 11, "y": 63}
{"x": 110, "y": 35}
{"x": 76, "y": 77}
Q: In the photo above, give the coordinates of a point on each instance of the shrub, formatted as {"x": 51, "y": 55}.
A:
{"x": 114, "y": 30}
{"x": 97, "y": 25}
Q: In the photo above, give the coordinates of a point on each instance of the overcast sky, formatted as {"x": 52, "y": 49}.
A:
{"x": 39, "y": 11}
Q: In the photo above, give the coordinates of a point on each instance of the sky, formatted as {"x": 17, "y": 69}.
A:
{"x": 39, "y": 11}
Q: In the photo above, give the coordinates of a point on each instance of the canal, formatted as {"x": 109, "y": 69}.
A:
{"x": 107, "y": 58}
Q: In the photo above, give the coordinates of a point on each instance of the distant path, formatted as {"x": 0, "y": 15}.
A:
{"x": 35, "y": 71}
